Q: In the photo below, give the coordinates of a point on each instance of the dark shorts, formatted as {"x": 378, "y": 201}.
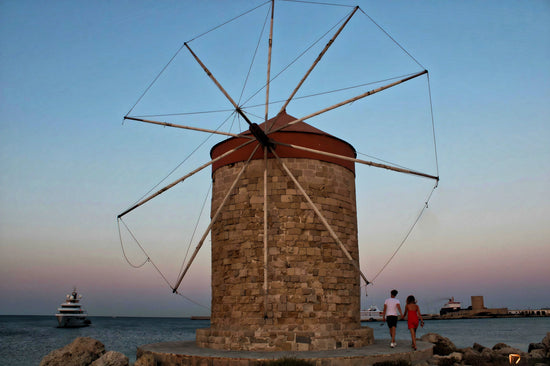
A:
{"x": 392, "y": 321}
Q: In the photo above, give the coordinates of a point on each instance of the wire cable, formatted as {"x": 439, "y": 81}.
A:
{"x": 155, "y": 79}
{"x": 424, "y": 207}
{"x": 394, "y": 41}
{"x": 228, "y": 21}
{"x": 295, "y": 60}
{"x": 433, "y": 125}
{"x": 184, "y": 160}
{"x": 319, "y": 3}
{"x": 124, "y": 252}
{"x": 148, "y": 259}
{"x": 254, "y": 56}
{"x": 195, "y": 229}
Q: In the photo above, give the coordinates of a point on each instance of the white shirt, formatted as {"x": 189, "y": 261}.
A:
{"x": 391, "y": 306}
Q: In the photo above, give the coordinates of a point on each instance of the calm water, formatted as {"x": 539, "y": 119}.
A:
{"x": 24, "y": 340}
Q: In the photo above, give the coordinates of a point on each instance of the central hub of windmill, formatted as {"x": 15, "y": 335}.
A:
{"x": 298, "y": 290}
{"x": 260, "y": 135}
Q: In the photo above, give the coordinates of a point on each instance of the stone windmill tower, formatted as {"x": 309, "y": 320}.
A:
{"x": 296, "y": 288}
{"x": 285, "y": 259}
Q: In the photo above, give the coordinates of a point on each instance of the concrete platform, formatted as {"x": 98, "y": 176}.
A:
{"x": 187, "y": 353}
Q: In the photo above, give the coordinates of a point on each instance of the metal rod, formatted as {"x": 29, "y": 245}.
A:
{"x": 351, "y": 100}
{"x": 365, "y": 162}
{"x": 183, "y": 178}
{"x": 321, "y": 217}
{"x": 166, "y": 124}
{"x": 222, "y": 204}
{"x": 319, "y": 57}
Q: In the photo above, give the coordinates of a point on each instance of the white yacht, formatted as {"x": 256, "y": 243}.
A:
{"x": 71, "y": 314}
{"x": 371, "y": 314}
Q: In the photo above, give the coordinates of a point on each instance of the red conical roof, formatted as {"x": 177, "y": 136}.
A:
{"x": 300, "y": 133}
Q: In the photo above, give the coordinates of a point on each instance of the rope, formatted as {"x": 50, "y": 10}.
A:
{"x": 184, "y": 160}
{"x": 124, "y": 252}
{"x": 296, "y": 59}
{"x": 191, "y": 300}
{"x": 394, "y": 41}
{"x": 182, "y": 113}
{"x": 424, "y": 207}
{"x": 181, "y": 47}
{"x": 148, "y": 259}
{"x": 228, "y": 21}
{"x": 143, "y": 250}
{"x": 254, "y": 56}
{"x": 319, "y": 3}
{"x": 433, "y": 124}
{"x": 277, "y": 101}
{"x": 385, "y": 161}
{"x": 195, "y": 229}
{"x": 333, "y": 90}
{"x": 155, "y": 79}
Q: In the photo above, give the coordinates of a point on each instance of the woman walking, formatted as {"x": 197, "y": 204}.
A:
{"x": 412, "y": 311}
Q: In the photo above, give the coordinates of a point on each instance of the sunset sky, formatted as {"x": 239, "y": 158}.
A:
{"x": 71, "y": 70}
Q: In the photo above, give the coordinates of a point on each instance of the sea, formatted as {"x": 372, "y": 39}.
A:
{"x": 25, "y": 340}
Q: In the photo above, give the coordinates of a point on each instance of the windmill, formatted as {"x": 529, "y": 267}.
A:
{"x": 285, "y": 254}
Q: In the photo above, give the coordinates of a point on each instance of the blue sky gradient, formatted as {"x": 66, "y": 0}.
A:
{"x": 70, "y": 71}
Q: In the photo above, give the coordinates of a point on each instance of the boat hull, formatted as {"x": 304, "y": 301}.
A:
{"x": 65, "y": 321}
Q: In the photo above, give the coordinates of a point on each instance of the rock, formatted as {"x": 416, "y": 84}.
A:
{"x": 441, "y": 360}
{"x": 111, "y": 358}
{"x": 81, "y": 352}
{"x": 546, "y": 341}
{"x": 478, "y": 347}
{"x": 453, "y": 358}
{"x": 430, "y": 337}
{"x": 499, "y": 346}
{"x": 457, "y": 356}
{"x": 533, "y": 346}
{"x": 146, "y": 360}
{"x": 442, "y": 345}
{"x": 537, "y": 353}
{"x": 487, "y": 353}
{"x": 508, "y": 350}
{"x": 473, "y": 357}
{"x": 422, "y": 363}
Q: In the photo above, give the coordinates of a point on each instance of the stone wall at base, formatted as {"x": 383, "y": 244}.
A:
{"x": 280, "y": 340}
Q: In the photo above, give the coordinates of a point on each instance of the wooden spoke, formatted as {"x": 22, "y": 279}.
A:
{"x": 166, "y": 124}
{"x": 329, "y": 43}
{"x": 182, "y": 179}
{"x": 321, "y": 217}
{"x": 365, "y": 162}
{"x": 237, "y": 108}
{"x": 351, "y": 100}
{"x": 269, "y": 61}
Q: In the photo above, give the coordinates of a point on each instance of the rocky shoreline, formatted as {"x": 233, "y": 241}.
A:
{"x": 85, "y": 351}
{"x": 446, "y": 353}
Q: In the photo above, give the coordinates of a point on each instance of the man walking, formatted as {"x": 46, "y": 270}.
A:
{"x": 391, "y": 306}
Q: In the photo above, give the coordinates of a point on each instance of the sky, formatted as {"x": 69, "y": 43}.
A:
{"x": 71, "y": 70}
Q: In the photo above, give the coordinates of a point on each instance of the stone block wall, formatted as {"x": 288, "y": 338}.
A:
{"x": 313, "y": 296}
